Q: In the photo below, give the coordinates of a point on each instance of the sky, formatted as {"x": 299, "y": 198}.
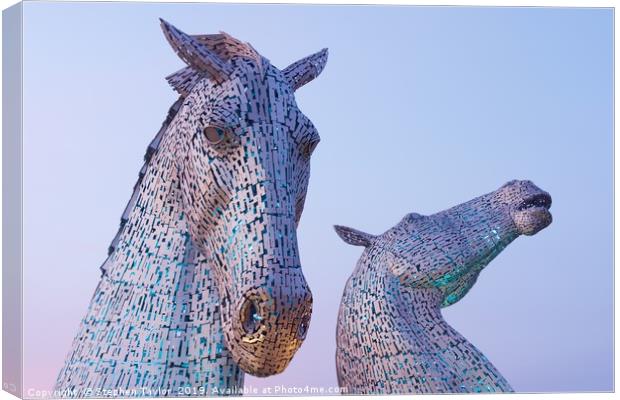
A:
{"x": 418, "y": 108}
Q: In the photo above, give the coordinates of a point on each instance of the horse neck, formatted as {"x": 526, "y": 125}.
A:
{"x": 412, "y": 347}
{"x": 157, "y": 234}
{"x": 446, "y": 361}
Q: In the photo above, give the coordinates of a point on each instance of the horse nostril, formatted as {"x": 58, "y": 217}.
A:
{"x": 250, "y": 316}
{"x": 302, "y": 330}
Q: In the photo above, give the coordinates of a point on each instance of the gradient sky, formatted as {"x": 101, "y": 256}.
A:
{"x": 419, "y": 109}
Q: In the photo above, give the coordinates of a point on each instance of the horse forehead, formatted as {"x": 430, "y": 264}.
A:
{"x": 263, "y": 75}
{"x": 411, "y": 237}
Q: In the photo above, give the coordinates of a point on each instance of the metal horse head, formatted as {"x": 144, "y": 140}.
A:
{"x": 391, "y": 336}
{"x": 243, "y": 158}
{"x": 447, "y": 250}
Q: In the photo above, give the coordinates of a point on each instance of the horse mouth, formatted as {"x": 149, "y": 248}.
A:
{"x": 540, "y": 200}
{"x": 532, "y": 214}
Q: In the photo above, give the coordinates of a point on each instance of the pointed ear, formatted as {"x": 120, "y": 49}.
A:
{"x": 353, "y": 236}
{"x": 195, "y": 54}
{"x": 305, "y": 70}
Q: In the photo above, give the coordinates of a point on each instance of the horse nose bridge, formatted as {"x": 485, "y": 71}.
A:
{"x": 277, "y": 173}
{"x": 530, "y": 187}
{"x": 278, "y": 196}
{"x": 285, "y": 268}
{"x": 286, "y": 281}
{"x": 292, "y": 305}
{"x": 279, "y": 236}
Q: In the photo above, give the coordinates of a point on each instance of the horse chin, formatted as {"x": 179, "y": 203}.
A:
{"x": 264, "y": 365}
{"x": 262, "y": 370}
{"x": 532, "y": 220}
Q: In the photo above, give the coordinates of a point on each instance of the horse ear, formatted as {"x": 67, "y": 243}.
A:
{"x": 195, "y": 54}
{"x": 305, "y": 70}
{"x": 353, "y": 236}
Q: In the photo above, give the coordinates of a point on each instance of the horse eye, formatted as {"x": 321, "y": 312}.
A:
{"x": 309, "y": 147}
{"x": 214, "y": 134}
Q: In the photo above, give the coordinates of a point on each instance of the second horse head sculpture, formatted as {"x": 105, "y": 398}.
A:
{"x": 391, "y": 336}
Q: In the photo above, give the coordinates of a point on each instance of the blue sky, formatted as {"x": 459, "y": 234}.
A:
{"x": 419, "y": 109}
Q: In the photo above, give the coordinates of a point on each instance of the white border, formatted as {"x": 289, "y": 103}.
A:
{"x": 481, "y": 3}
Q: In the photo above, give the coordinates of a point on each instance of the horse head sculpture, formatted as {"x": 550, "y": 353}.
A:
{"x": 203, "y": 279}
{"x": 403, "y": 278}
{"x": 244, "y": 152}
